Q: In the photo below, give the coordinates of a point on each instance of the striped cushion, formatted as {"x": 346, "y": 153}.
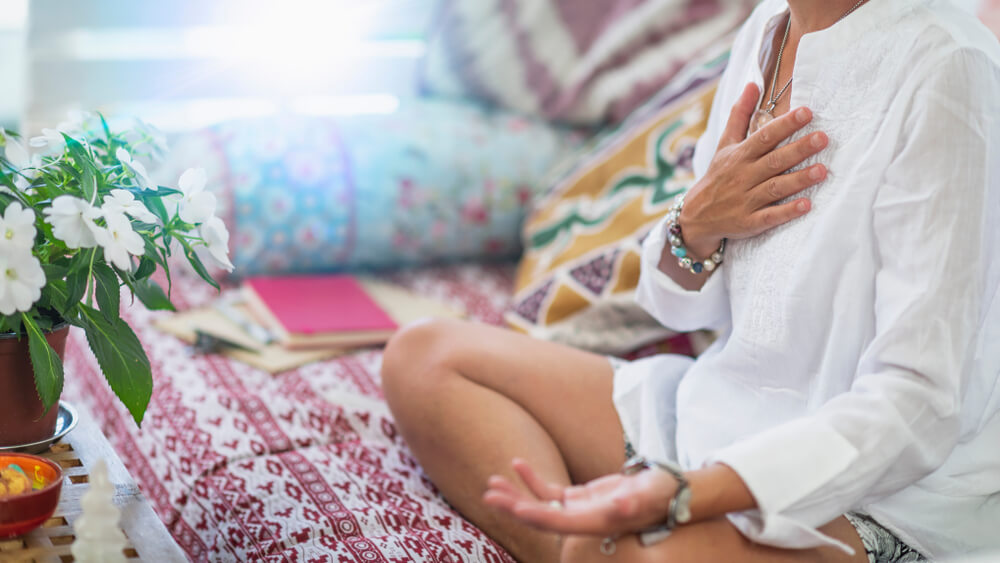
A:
{"x": 566, "y": 60}
{"x": 576, "y": 281}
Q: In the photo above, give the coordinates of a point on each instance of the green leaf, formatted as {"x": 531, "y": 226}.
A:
{"x": 104, "y": 125}
{"x": 152, "y": 296}
{"x": 81, "y": 261}
{"x": 121, "y": 358}
{"x": 77, "y": 151}
{"x": 10, "y": 324}
{"x": 88, "y": 182}
{"x": 198, "y": 266}
{"x": 164, "y": 191}
{"x": 45, "y": 323}
{"x": 155, "y": 205}
{"x": 45, "y": 363}
{"x": 56, "y": 293}
{"x": 151, "y": 253}
{"x": 76, "y": 286}
{"x": 108, "y": 291}
{"x": 146, "y": 266}
{"x": 55, "y": 271}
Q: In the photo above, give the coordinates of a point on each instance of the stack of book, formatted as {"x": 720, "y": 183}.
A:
{"x": 280, "y": 323}
{"x": 319, "y": 311}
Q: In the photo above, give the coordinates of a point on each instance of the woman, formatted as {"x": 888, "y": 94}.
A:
{"x": 850, "y": 409}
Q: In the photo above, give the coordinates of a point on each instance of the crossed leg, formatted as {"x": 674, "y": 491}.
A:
{"x": 469, "y": 398}
{"x": 714, "y": 541}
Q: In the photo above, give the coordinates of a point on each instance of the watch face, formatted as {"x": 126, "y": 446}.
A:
{"x": 683, "y": 514}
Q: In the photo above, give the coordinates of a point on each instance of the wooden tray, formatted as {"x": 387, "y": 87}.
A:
{"x": 147, "y": 537}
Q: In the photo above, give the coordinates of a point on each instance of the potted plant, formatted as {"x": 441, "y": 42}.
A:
{"x": 79, "y": 220}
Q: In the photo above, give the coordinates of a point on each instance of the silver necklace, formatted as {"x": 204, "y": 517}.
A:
{"x": 766, "y": 114}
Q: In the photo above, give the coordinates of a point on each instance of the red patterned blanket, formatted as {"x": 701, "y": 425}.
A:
{"x": 304, "y": 466}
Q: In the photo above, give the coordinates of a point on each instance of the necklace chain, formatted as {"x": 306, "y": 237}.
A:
{"x": 773, "y": 101}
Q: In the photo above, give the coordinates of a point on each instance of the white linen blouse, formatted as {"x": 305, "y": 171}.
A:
{"x": 859, "y": 349}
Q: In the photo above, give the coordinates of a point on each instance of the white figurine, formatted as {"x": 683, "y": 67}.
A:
{"x": 98, "y": 537}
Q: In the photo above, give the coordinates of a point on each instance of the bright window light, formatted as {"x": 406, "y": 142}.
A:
{"x": 205, "y": 42}
{"x": 13, "y": 14}
{"x": 344, "y": 105}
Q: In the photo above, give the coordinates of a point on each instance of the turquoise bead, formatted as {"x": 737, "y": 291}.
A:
{"x": 679, "y": 251}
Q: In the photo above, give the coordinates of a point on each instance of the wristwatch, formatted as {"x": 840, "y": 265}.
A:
{"x": 679, "y": 511}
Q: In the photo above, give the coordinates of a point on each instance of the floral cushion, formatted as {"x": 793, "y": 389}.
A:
{"x": 579, "y": 62}
{"x": 432, "y": 182}
{"x": 576, "y": 281}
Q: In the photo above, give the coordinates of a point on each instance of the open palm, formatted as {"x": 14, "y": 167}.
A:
{"x": 608, "y": 505}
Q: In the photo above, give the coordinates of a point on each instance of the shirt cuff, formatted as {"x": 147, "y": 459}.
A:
{"x": 672, "y": 305}
{"x": 784, "y": 468}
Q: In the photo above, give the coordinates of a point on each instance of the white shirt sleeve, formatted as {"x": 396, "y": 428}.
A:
{"x": 670, "y": 304}
{"x": 935, "y": 225}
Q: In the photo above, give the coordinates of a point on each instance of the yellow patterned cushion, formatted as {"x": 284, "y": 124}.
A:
{"x": 576, "y": 281}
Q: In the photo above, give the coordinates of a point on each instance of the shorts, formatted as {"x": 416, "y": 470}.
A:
{"x": 881, "y": 545}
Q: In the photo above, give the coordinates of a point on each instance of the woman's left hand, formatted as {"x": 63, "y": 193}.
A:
{"x": 612, "y": 504}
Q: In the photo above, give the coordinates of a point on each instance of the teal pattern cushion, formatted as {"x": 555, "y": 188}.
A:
{"x": 432, "y": 182}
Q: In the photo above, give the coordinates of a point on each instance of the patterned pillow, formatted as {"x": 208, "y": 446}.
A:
{"x": 566, "y": 60}
{"x": 576, "y": 281}
{"x": 433, "y": 182}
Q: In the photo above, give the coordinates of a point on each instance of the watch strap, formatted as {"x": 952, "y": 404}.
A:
{"x": 679, "y": 511}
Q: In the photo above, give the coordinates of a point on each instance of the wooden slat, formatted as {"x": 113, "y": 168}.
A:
{"x": 147, "y": 537}
{"x": 396, "y": 18}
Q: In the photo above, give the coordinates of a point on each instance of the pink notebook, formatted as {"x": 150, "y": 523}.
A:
{"x": 319, "y": 310}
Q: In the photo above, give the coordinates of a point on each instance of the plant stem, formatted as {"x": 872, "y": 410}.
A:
{"x": 90, "y": 277}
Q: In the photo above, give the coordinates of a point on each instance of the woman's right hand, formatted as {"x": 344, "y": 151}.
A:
{"x": 736, "y": 198}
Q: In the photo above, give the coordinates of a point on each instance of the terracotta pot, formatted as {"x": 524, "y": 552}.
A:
{"x": 21, "y": 420}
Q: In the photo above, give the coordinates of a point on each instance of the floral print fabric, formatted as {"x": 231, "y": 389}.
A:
{"x": 432, "y": 182}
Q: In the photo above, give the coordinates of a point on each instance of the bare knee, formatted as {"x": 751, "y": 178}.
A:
{"x": 586, "y": 549}
{"x": 413, "y": 355}
{"x": 581, "y": 549}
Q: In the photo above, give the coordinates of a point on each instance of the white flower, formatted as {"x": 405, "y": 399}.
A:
{"x": 136, "y": 168}
{"x": 195, "y": 205}
{"x": 21, "y": 281}
{"x": 17, "y": 156}
{"x": 17, "y": 228}
{"x": 15, "y": 153}
{"x": 72, "y": 221}
{"x": 123, "y": 201}
{"x": 26, "y": 166}
{"x": 77, "y": 122}
{"x": 119, "y": 240}
{"x": 51, "y": 138}
{"x": 216, "y": 238}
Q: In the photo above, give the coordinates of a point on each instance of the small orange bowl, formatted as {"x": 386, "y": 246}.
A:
{"x": 22, "y": 513}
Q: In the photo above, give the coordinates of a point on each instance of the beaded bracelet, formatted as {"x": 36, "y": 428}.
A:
{"x": 677, "y": 243}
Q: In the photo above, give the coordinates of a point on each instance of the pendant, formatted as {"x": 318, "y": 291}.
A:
{"x": 759, "y": 119}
